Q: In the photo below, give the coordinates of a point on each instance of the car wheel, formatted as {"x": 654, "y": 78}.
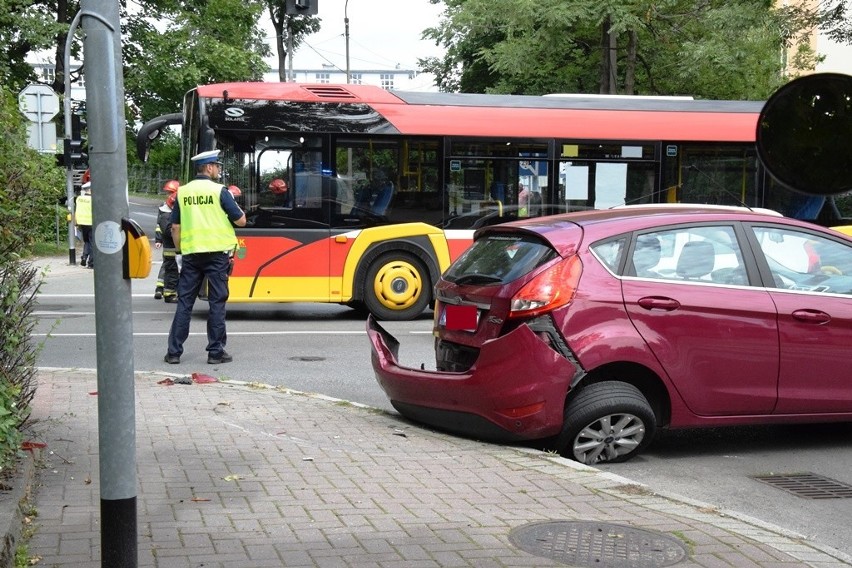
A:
{"x": 397, "y": 287}
{"x": 606, "y": 422}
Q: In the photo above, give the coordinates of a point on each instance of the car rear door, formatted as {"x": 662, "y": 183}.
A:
{"x": 713, "y": 333}
{"x": 810, "y": 281}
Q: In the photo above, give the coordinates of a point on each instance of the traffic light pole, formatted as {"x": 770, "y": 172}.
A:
{"x": 69, "y": 177}
{"x": 113, "y": 309}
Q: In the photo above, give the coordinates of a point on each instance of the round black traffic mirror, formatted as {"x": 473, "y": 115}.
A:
{"x": 804, "y": 133}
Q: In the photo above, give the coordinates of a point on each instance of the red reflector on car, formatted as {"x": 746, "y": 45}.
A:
{"x": 522, "y": 411}
{"x": 460, "y": 317}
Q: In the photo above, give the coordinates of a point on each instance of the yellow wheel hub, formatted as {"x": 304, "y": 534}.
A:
{"x": 398, "y": 285}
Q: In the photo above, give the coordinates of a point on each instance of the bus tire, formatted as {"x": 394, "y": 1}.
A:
{"x": 397, "y": 287}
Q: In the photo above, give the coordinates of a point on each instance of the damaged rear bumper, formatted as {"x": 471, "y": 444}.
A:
{"x": 502, "y": 397}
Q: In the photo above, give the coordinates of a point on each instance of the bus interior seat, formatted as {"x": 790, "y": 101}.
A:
{"x": 383, "y": 198}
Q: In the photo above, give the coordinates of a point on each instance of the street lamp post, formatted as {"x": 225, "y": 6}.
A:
{"x": 346, "y": 35}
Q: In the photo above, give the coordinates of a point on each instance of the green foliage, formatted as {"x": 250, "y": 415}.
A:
{"x": 10, "y": 421}
{"x": 25, "y": 26}
{"x": 204, "y": 42}
{"x": 32, "y": 183}
{"x": 31, "y": 186}
{"x": 717, "y": 49}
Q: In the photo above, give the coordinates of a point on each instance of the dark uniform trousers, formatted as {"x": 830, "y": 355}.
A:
{"x": 214, "y": 266}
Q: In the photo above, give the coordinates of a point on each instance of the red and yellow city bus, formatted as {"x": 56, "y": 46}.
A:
{"x": 385, "y": 188}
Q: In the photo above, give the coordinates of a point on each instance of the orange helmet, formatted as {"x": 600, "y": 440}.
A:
{"x": 170, "y": 200}
{"x": 278, "y": 186}
{"x": 171, "y": 186}
{"x": 235, "y": 191}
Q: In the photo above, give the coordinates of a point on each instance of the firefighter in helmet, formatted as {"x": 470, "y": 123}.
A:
{"x": 167, "y": 279}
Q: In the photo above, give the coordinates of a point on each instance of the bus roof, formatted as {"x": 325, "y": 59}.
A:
{"x": 465, "y": 114}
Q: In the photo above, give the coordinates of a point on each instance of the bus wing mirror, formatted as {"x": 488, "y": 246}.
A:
{"x": 803, "y": 134}
{"x": 151, "y": 130}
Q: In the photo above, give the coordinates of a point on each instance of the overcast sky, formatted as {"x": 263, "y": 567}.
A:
{"x": 382, "y": 35}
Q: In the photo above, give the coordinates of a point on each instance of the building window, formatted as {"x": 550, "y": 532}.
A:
{"x": 48, "y": 74}
{"x": 323, "y": 77}
{"x": 356, "y": 79}
{"x": 387, "y": 81}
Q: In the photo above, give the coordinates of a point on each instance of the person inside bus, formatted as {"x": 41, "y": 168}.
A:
{"x": 280, "y": 191}
{"x": 383, "y": 192}
{"x": 523, "y": 201}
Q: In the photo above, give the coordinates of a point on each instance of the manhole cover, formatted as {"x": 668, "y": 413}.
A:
{"x": 808, "y": 485}
{"x": 598, "y": 544}
{"x": 307, "y": 358}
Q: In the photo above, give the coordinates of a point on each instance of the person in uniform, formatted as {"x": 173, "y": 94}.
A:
{"x": 83, "y": 220}
{"x": 167, "y": 278}
{"x": 203, "y": 221}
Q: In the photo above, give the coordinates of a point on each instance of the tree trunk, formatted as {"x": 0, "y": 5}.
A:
{"x": 609, "y": 61}
{"x": 61, "y": 38}
{"x": 630, "y": 65}
{"x": 278, "y": 25}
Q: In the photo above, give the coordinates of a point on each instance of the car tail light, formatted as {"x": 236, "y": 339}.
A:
{"x": 548, "y": 290}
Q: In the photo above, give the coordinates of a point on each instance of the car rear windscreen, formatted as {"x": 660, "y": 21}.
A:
{"x": 498, "y": 259}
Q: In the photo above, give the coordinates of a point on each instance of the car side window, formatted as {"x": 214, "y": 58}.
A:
{"x": 610, "y": 253}
{"x": 804, "y": 261}
{"x": 689, "y": 254}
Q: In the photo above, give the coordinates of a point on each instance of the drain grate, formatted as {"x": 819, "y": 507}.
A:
{"x": 808, "y": 485}
{"x": 602, "y": 545}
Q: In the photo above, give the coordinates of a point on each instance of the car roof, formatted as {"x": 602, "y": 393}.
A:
{"x": 564, "y": 231}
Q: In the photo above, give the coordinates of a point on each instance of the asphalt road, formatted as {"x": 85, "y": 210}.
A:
{"x": 324, "y": 349}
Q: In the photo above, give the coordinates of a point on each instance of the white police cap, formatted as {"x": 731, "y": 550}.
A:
{"x": 209, "y": 157}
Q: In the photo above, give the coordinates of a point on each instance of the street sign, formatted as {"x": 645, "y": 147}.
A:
{"x": 42, "y": 136}
{"x": 38, "y": 103}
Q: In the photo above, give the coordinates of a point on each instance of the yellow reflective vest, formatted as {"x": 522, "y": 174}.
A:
{"x": 204, "y": 225}
{"x": 83, "y": 210}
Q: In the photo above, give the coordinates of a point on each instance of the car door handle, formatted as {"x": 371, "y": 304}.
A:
{"x": 811, "y": 316}
{"x": 658, "y": 303}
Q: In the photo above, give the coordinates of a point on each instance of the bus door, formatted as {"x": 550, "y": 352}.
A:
{"x": 284, "y": 250}
{"x": 599, "y": 176}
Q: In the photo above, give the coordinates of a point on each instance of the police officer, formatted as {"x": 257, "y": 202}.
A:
{"x": 83, "y": 220}
{"x": 203, "y": 222}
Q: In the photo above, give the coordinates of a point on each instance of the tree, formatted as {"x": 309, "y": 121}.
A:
{"x": 187, "y": 43}
{"x": 299, "y": 26}
{"x": 27, "y": 26}
{"x": 709, "y": 49}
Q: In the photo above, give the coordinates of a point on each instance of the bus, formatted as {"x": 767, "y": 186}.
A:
{"x": 385, "y": 188}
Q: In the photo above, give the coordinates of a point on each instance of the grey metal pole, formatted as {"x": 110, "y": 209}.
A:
{"x": 69, "y": 181}
{"x": 346, "y": 30}
{"x": 113, "y": 309}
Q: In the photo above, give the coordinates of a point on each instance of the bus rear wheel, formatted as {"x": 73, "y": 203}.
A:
{"x": 397, "y": 287}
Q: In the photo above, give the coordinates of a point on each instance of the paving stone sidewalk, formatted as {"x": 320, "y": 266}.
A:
{"x": 237, "y": 475}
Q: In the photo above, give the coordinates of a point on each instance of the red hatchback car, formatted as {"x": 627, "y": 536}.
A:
{"x": 594, "y": 329}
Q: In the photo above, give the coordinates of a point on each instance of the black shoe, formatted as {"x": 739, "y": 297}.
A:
{"x": 221, "y": 358}
{"x": 158, "y": 294}
{"x": 173, "y": 359}
{"x": 170, "y": 299}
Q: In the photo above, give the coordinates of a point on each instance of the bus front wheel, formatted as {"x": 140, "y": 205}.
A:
{"x": 397, "y": 287}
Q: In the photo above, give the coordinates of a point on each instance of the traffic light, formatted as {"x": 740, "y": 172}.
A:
{"x": 74, "y": 153}
{"x": 300, "y": 7}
